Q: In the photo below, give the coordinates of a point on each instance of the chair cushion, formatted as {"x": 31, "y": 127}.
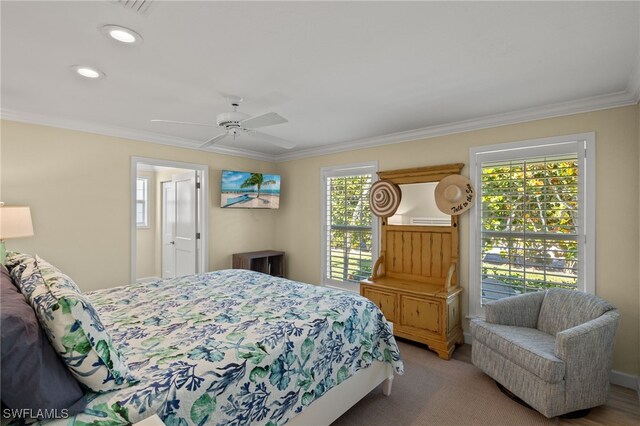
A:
{"x": 563, "y": 309}
{"x": 529, "y": 348}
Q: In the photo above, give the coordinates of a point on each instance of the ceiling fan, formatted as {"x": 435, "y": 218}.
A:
{"x": 236, "y": 123}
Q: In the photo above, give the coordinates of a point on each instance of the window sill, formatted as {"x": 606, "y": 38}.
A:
{"x": 346, "y": 286}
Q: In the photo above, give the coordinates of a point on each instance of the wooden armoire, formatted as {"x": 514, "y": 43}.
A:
{"x": 415, "y": 281}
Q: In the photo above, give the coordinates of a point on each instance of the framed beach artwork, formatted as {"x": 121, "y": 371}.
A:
{"x": 249, "y": 190}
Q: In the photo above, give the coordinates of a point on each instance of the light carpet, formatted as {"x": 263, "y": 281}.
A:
{"x": 433, "y": 391}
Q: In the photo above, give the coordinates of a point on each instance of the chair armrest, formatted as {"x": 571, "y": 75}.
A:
{"x": 522, "y": 310}
{"x": 595, "y": 336}
{"x": 587, "y": 350}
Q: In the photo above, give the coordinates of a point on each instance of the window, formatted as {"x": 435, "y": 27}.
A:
{"x": 532, "y": 227}
{"x": 349, "y": 230}
{"x": 142, "y": 202}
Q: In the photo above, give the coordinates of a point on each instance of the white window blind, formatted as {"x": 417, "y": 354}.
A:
{"x": 529, "y": 225}
{"x": 350, "y": 240}
{"x": 534, "y": 218}
{"x": 142, "y": 202}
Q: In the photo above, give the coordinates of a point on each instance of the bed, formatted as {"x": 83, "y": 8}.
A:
{"x": 238, "y": 347}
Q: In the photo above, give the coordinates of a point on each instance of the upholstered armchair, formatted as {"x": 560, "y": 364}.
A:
{"x": 552, "y": 349}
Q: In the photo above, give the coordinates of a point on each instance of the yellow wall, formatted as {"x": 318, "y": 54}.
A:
{"x": 617, "y": 187}
{"x": 77, "y": 185}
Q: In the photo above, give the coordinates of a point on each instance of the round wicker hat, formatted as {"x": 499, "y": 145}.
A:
{"x": 454, "y": 195}
{"x": 384, "y": 198}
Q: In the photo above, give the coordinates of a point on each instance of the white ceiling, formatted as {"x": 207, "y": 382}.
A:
{"x": 343, "y": 74}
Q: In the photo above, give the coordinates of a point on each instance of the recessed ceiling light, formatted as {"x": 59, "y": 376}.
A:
{"x": 121, "y": 34}
{"x": 88, "y": 72}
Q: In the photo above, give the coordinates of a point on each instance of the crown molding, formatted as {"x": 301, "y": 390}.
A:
{"x": 593, "y": 103}
{"x": 633, "y": 86}
{"x": 125, "y": 133}
{"x": 239, "y": 152}
{"x": 624, "y": 98}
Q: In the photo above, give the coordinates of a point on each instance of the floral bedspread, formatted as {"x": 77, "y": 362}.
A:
{"x": 234, "y": 347}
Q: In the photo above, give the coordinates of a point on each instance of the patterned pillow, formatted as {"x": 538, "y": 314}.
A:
{"x": 24, "y": 271}
{"x": 74, "y": 328}
{"x": 14, "y": 258}
{"x": 33, "y": 375}
{"x": 17, "y": 264}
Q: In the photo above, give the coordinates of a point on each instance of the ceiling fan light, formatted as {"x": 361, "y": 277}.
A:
{"x": 121, "y": 34}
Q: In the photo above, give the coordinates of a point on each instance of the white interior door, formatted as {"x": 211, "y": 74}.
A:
{"x": 186, "y": 203}
{"x": 168, "y": 230}
{"x": 197, "y": 208}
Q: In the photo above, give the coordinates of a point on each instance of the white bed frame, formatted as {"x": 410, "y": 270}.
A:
{"x": 339, "y": 399}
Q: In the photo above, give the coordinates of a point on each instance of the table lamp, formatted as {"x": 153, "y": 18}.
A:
{"x": 15, "y": 222}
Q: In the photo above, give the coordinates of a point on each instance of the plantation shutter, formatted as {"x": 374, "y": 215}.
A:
{"x": 530, "y": 225}
{"x": 349, "y": 233}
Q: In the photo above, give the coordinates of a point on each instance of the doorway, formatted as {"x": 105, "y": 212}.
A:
{"x": 168, "y": 219}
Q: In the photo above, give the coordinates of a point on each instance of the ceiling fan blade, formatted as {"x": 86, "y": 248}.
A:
{"x": 282, "y": 143}
{"x": 263, "y": 120}
{"x": 183, "y": 122}
{"x": 214, "y": 140}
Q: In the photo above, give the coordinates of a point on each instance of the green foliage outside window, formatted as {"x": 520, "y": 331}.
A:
{"x": 349, "y": 227}
{"x": 529, "y": 226}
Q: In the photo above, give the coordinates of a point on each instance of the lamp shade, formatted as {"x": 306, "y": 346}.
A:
{"x": 15, "y": 222}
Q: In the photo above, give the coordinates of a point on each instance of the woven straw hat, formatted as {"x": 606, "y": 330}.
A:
{"x": 454, "y": 195}
{"x": 384, "y": 198}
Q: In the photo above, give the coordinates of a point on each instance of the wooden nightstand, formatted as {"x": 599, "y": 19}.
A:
{"x": 267, "y": 261}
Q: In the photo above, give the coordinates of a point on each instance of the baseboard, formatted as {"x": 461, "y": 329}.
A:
{"x": 623, "y": 379}
{"x": 615, "y": 377}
